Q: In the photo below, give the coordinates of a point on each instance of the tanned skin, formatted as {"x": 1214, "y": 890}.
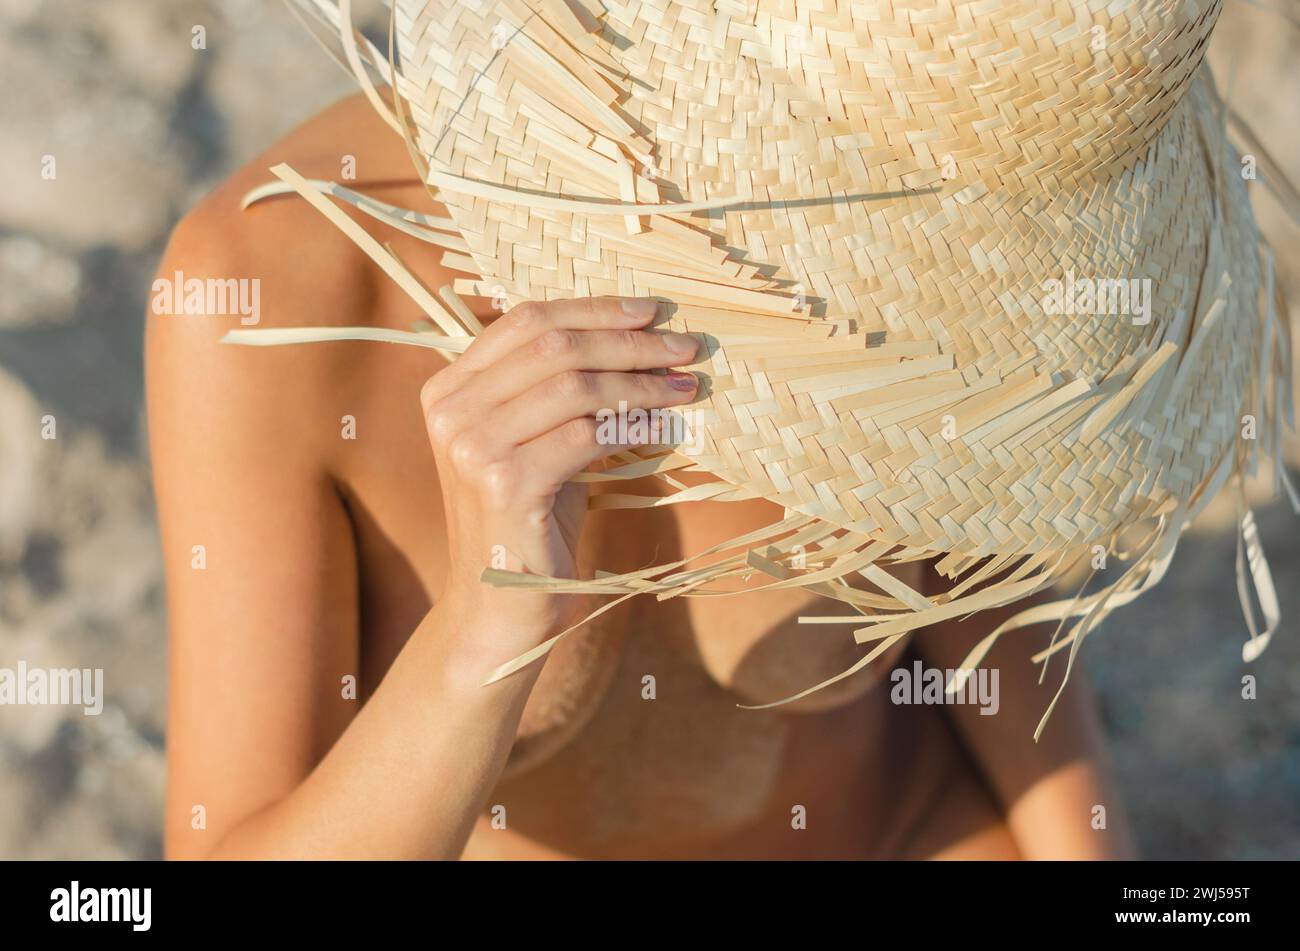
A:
{"x": 328, "y": 560}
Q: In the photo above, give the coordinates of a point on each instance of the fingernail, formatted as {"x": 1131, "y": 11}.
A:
{"x": 686, "y": 382}
{"x": 640, "y": 308}
{"x": 681, "y": 345}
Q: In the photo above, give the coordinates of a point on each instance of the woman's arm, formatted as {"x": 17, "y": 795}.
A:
{"x": 266, "y": 758}
{"x": 1050, "y": 789}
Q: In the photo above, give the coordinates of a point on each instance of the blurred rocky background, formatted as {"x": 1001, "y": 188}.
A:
{"x": 141, "y": 125}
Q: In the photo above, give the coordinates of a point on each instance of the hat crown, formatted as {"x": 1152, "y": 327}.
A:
{"x": 1020, "y": 94}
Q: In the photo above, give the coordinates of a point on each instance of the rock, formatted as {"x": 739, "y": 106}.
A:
{"x": 87, "y": 150}
{"x": 41, "y": 283}
{"x": 272, "y": 77}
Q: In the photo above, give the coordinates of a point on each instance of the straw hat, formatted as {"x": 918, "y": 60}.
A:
{"x": 978, "y": 281}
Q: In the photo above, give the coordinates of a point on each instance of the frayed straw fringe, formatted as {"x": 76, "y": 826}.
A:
{"x": 815, "y": 546}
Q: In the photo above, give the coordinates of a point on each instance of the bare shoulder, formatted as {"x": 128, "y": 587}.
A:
{"x": 303, "y": 262}
{"x": 280, "y": 263}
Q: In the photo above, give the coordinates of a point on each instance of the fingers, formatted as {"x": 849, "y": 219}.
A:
{"x": 558, "y": 349}
{"x": 525, "y": 323}
{"x": 577, "y": 393}
{"x": 559, "y": 352}
{"x": 552, "y": 459}
{"x": 513, "y": 478}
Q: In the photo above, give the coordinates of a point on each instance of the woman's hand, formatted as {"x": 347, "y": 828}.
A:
{"x": 512, "y": 420}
